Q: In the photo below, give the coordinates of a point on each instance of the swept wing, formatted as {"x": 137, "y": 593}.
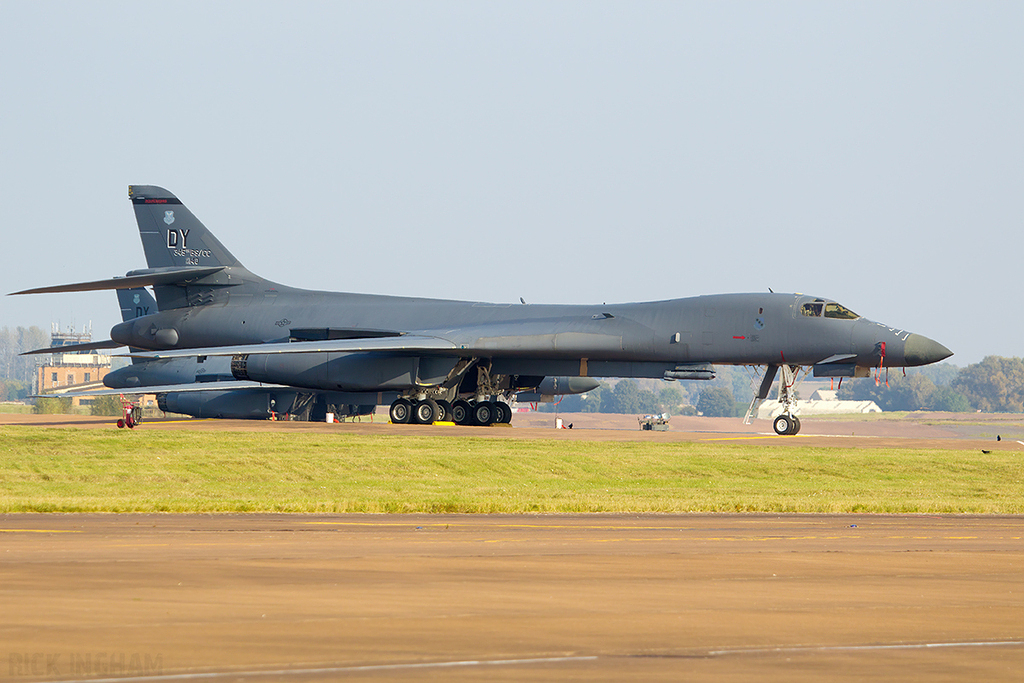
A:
{"x": 169, "y": 388}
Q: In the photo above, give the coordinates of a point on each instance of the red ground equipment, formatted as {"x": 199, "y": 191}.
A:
{"x": 132, "y": 414}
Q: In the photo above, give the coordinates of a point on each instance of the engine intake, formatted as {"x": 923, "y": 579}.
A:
{"x": 240, "y": 366}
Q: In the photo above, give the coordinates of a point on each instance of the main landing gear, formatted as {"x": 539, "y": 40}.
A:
{"x": 461, "y": 412}
{"x": 425, "y": 412}
{"x": 427, "y": 407}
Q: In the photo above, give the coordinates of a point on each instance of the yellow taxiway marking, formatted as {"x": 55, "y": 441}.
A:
{"x": 438, "y": 525}
{"x": 760, "y": 436}
{"x": 40, "y": 531}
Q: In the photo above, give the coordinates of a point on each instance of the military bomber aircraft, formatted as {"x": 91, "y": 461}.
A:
{"x": 461, "y": 359}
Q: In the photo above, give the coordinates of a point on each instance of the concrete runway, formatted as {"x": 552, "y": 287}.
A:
{"x": 454, "y": 597}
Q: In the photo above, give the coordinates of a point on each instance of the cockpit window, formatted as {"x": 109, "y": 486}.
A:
{"x": 812, "y": 309}
{"x": 834, "y": 310}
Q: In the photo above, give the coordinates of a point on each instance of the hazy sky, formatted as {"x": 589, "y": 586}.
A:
{"x": 562, "y": 152}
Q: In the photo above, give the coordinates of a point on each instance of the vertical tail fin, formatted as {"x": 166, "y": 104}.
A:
{"x": 135, "y": 303}
{"x": 171, "y": 234}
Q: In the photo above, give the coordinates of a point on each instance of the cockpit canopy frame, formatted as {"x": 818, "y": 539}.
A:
{"x": 823, "y": 308}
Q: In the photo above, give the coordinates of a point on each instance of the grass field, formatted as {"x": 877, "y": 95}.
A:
{"x": 70, "y": 470}
{"x": 16, "y": 408}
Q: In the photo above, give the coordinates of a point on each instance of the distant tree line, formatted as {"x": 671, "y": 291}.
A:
{"x": 913, "y": 392}
{"x": 626, "y": 397}
{"x": 17, "y": 373}
{"x": 995, "y": 385}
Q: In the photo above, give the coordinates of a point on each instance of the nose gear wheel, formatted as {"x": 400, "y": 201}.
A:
{"x": 786, "y": 425}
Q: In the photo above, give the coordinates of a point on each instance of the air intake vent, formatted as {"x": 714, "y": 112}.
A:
{"x": 239, "y": 369}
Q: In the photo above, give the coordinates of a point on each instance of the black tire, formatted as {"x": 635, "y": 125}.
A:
{"x": 782, "y": 425}
{"x": 425, "y": 412}
{"x": 503, "y": 411}
{"x": 795, "y": 429}
{"x": 445, "y": 414}
{"x": 483, "y": 413}
{"x": 462, "y": 412}
{"x": 400, "y": 411}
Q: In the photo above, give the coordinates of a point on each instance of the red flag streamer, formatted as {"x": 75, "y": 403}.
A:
{"x": 881, "y": 364}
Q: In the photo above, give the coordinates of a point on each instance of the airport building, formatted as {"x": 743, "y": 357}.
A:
{"x": 76, "y": 371}
{"x": 61, "y": 372}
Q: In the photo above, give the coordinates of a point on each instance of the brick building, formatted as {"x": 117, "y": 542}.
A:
{"x": 65, "y": 371}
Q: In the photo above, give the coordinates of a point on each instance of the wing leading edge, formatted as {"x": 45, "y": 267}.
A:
{"x": 171, "y": 388}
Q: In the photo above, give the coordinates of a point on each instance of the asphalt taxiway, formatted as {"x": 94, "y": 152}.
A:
{"x": 525, "y": 597}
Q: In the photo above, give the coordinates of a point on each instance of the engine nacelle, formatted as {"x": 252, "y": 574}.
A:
{"x": 169, "y": 371}
{"x": 550, "y": 387}
{"x": 343, "y": 371}
{"x": 243, "y": 404}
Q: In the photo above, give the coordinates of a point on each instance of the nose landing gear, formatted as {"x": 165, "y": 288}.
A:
{"x": 786, "y": 424}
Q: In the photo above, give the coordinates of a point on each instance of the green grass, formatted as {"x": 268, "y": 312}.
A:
{"x": 56, "y": 470}
{"x": 16, "y": 408}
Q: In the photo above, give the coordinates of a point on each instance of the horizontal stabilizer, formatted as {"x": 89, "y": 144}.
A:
{"x": 403, "y": 343}
{"x": 234, "y": 385}
{"x": 75, "y": 348}
{"x": 171, "y": 276}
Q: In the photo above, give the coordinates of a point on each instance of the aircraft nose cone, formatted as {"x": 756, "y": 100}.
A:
{"x": 920, "y": 350}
